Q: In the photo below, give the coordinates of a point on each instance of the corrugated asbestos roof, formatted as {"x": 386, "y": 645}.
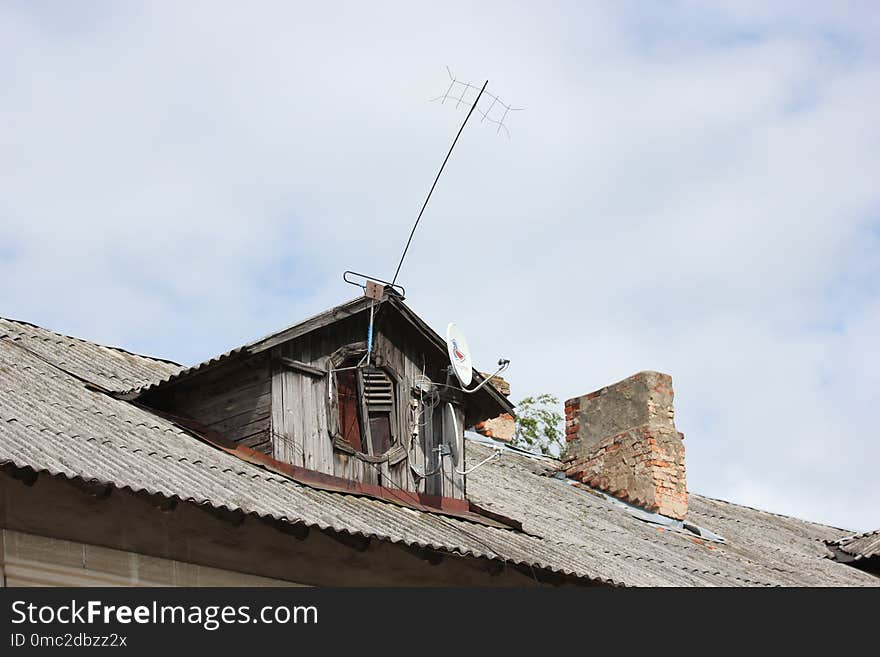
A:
{"x": 52, "y": 422}
{"x": 761, "y": 548}
{"x": 860, "y": 546}
{"x": 109, "y": 367}
{"x": 343, "y": 310}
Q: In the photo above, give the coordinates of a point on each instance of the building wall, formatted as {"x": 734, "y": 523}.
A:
{"x": 233, "y": 399}
{"x": 32, "y": 560}
{"x": 209, "y": 544}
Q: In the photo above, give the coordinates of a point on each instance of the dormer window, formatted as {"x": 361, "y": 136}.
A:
{"x": 348, "y": 402}
{"x": 378, "y": 391}
{"x": 365, "y": 399}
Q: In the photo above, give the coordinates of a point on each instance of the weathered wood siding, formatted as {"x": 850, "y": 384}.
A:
{"x": 279, "y": 403}
{"x": 300, "y": 400}
{"x": 234, "y": 399}
{"x": 300, "y": 431}
{"x": 404, "y": 350}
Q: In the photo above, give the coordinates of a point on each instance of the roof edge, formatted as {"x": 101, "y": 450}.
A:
{"x": 91, "y": 342}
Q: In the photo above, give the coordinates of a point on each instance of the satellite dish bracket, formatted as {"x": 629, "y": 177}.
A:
{"x": 460, "y": 360}
{"x": 503, "y": 365}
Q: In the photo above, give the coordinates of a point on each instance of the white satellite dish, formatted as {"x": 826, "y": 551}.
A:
{"x": 459, "y": 355}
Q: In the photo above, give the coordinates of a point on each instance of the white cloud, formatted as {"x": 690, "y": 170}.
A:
{"x": 689, "y": 190}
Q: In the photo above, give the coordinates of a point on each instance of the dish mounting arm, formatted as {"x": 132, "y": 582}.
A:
{"x": 503, "y": 364}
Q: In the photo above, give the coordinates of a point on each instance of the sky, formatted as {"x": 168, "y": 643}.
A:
{"x": 689, "y": 187}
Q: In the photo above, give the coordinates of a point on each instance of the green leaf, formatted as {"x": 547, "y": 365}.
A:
{"x": 539, "y": 426}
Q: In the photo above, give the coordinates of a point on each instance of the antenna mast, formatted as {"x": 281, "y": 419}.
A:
{"x": 431, "y": 191}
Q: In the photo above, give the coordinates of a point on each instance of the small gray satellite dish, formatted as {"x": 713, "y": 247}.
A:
{"x": 459, "y": 355}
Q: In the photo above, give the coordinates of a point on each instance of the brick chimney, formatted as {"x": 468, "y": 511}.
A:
{"x": 504, "y": 426}
{"x": 622, "y": 440}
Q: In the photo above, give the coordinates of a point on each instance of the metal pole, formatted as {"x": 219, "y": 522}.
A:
{"x": 425, "y": 204}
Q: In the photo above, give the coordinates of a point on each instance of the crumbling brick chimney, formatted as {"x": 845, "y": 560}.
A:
{"x": 504, "y": 426}
{"x": 622, "y": 440}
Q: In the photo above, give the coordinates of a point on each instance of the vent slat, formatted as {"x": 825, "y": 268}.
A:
{"x": 378, "y": 390}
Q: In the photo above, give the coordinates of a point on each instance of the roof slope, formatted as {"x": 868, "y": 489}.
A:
{"x": 761, "y": 548}
{"x": 293, "y": 331}
{"x": 52, "y": 422}
{"x": 109, "y": 367}
{"x": 859, "y": 546}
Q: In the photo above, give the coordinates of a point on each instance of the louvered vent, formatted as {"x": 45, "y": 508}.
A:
{"x": 378, "y": 390}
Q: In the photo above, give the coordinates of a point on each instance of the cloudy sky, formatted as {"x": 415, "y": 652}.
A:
{"x": 690, "y": 187}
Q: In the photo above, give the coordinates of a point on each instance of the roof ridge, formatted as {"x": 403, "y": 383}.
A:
{"x": 186, "y": 371}
{"x": 770, "y": 513}
{"x": 854, "y": 537}
{"x": 91, "y": 342}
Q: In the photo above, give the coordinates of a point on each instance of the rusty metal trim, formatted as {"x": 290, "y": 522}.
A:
{"x": 435, "y": 504}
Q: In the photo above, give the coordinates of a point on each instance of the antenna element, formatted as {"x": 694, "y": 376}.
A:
{"x": 428, "y": 198}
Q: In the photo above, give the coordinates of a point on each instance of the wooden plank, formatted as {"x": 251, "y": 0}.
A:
{"x": 239, "y": 413}
{"x": 397, "y": 475}
{"x": 417, "y": 447}
{"x": 284, "y": 437}
{"x": 256, "y": 438}
{"x": 320, "y": 355}
{"x": 332, "y": 316}
{"x": 421, "y": 445}
{"x": 458, "y": 460}
{"x": 386, "y": 479}
{"x": 230, "y": 376}
{"x": 240, "y": 434}
{"x": 206, "y": 409}
{"x": 341, "y": 467}
{"x": 260, "y": 412}
{"x": 303, "y": 367}
{"x": 276, "y": 426}
{"x": 409, "y": 373}
{"x": 293, "y": 416}
{"x": 366, "y": 440}
{"x": 263, "y": 446}
{"x": 319, "y": 390}
{"x": 356, "y": 468}
{"x": 315, "y": 443}
{"x": 390, "y": 354}
{"x": 299, "y": 401}
{"x": 369, "y": 473}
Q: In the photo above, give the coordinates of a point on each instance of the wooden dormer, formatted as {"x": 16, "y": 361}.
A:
{"x": 306, "y": 396}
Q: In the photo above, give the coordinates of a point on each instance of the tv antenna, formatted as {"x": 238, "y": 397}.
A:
{"x": 496, "y": 112}
{"x": 375, "y": 288}
{"x": 458, "y": 91}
